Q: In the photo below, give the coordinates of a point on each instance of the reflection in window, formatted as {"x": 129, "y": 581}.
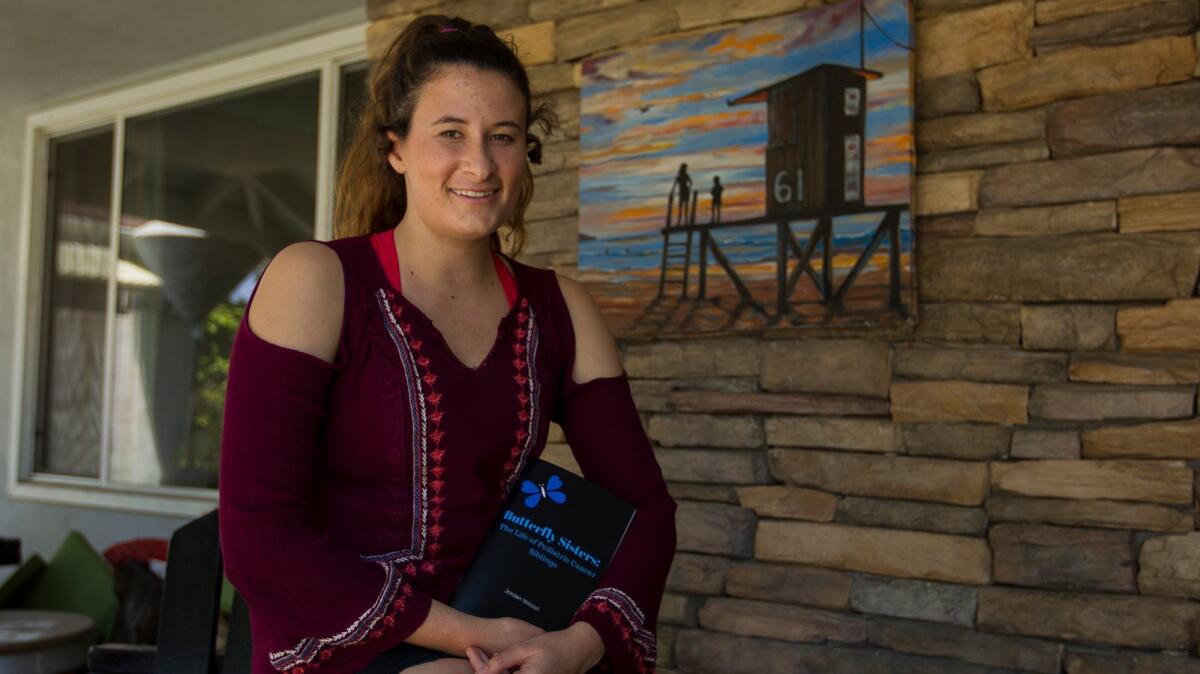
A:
{"x": 211, "y": 192}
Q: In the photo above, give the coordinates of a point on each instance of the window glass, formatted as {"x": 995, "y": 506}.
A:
{"x": 353, "y": 95}
{"x": 211, "y": 192}
{"x": 78, "y": 259}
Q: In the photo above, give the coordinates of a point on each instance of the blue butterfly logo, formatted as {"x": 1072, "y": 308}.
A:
{"x": 551, "y": 490}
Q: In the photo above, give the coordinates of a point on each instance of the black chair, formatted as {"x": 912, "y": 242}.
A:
{"x": 187, "y": 625}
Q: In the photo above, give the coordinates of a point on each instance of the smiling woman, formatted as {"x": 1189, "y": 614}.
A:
{"x": 388, "y": 388}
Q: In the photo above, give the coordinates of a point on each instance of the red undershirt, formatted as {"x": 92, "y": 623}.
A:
{"x": 385, "y": 249}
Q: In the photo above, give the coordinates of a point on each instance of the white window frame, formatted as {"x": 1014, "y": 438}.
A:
{"x": 325, "y": 54}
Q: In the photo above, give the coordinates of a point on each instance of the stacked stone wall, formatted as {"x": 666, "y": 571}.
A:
{"x": 1008, "y": 486}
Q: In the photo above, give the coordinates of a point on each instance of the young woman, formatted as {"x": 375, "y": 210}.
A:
{"x": 387, "y": 388}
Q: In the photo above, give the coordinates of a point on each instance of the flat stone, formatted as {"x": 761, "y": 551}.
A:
{"x": 1137, "y": 622}
{"x": 1038, "y": 555}
{"x": 705, "y": 430}
{"x": 958, "y": 224}
{"x": 558, "y": 154}
{"x": 1100, "y": 267}
{"x": 700, "y": 358}
{"x": 1087, "y": 217}
{"x": 1094, "y": 402}
{"x": 1160, "y": 212}
{"x": 886, "y": 552}
{"x": 970, "y": 323}
{"x": 695, "y": 491}
{"x": 1153, "y": 481}
{"x": 383, "y": 32}
{"x": 810, "y": 586}
{"x": 378, "y": 9}
{"x": 935, "y": 517}
{"x": 947, "y": 95}
{"x": 830, "y": 659}
{"x": 534, "y": 42}
{"x": 651, "y": 395}
{"x": 580, "y": 36}
{"x": 715, "y": 528}
{"x": 864, "y": 435}
{"x": 1091, "y": 513}
{"x": 1139, "y": 369}
{"x": 1032, "y": 444}
{"x": 704, "y": 652}
{"x": 1130, "y": 663}
{"x": 952, "y": 401}
{"x": 1094, "y": 70}
{"x": 957, "y": 441}
{"x": 1166, "y": 440}
{"x": 1136, "y": 23}
{"x": 547, "y": 78}
{"x": 789, "y": 502}
{"x": 697, "y": 574}
{"x": 959, "y": 643}
{"x": 972, "y": 39}
{"x": 546, "y": 236}
{"x": 1008, "y": 366}
{"x": 928, "y": 8}
{"x": 1094, "y": 177}
{"x": 556, "y": 196}
{"x": 547, "y": 10}
{"x": 939, "y": 193}
{"x": 1053, "y": 11}
{"x": 698, "y": 465}
{"x": 917, "y": 599}
{"x": 989, "y": 128}
{"x": 902, "y": 477}
{"x": 697, "y": 13}
{"x": 808, "y": 404}
{"x": 1068, "y": 327}
{"x": 678, "y": 609}
{"x": 845, "y": 366}
{"x": 982, "y": 157}
{"x": 1170, "y": 565}
{"x": 1145, "y": 118}
{"x": 1172, "y": 327}
{"x": 781, "y": 621}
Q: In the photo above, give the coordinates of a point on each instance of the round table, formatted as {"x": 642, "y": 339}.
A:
{"x": 43, "y": 642}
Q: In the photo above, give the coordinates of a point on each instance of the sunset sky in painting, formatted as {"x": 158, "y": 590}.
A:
{"x": 647, "y": 109}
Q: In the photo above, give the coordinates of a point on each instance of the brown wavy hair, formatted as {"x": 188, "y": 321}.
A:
{"x": 370, "y": 196}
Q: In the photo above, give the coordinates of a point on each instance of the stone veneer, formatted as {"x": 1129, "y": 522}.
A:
{"x": 1004, "y": 487}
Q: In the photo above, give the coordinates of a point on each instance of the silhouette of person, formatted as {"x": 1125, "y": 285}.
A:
{"x": 684, "y": 182}
{"x": 717, "y": 189}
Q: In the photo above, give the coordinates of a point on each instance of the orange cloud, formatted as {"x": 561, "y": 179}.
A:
{"x": 748, "y": 46}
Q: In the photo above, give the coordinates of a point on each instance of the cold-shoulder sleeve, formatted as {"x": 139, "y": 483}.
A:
{"x": 602, "y": 426}
{"x": 323, "y": 604}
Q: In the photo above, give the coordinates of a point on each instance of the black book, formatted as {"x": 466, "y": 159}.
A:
{"x": 545, "y": 552}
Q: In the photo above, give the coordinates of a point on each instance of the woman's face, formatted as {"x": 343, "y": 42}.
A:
{"x": 464, "y": 155}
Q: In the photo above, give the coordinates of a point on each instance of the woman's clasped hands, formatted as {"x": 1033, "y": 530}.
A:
{"x": 573, "y": 650}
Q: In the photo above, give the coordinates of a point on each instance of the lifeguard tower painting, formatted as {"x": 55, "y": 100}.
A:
{"x": 753, "y": 177}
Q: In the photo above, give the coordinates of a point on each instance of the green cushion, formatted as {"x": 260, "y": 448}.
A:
{"x": 79, "y": 580}
{"x": 20, "y": 580}
{"x": 226, "y": 597}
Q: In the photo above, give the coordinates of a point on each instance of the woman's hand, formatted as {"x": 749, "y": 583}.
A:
{"x": 500, "y": 634}
{"x": 574, "y": 650}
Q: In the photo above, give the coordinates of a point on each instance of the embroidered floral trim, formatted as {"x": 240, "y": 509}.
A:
{"x": 525, "y": 348}
{"x": 426, "y": 422}
{"x": 310, "y": 653}
{"x": 629, "y": 622}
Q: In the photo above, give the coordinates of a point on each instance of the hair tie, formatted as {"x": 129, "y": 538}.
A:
{"x": 448, "y": 29}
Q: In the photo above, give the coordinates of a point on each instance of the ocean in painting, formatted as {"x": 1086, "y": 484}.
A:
{"x": 646, "y": 110}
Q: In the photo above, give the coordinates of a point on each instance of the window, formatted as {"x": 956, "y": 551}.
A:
{"x": 151, "y": 214}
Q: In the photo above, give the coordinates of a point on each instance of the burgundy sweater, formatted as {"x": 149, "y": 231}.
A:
{"x": 353, "y": 493}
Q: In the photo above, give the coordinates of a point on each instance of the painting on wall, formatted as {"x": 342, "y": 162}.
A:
{"x": 753, "y": 177}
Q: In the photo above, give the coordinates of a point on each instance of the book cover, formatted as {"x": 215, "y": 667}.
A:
{"x": 547, "y": 549}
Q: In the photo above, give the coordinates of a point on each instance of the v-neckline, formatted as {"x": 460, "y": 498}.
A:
{"x": 501, "y": 327}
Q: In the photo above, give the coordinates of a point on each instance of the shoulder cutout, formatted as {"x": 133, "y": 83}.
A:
{"x": 596, "y": 352}
{"x": 299, "y": 301}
